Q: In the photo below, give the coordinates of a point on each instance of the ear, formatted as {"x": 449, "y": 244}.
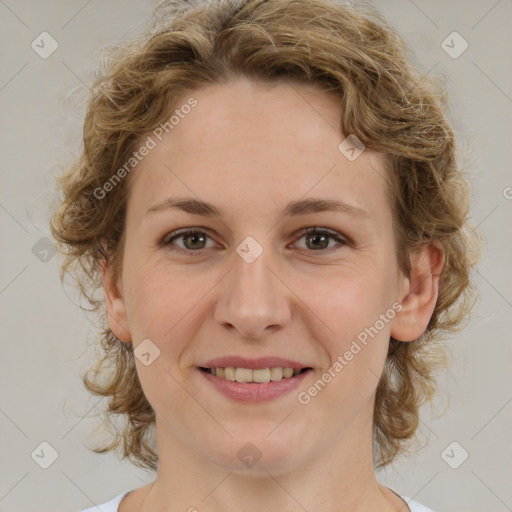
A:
{"x": 116, "y": 309}
{"x": 419, "y": 292}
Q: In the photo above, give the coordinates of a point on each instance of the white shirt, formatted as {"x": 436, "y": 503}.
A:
{"x": 113, "y": 504}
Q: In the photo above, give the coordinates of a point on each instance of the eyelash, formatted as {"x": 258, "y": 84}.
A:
{"x": 188, "y": 231}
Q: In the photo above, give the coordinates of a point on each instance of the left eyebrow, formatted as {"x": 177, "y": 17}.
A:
{"x": 294, "y": 208}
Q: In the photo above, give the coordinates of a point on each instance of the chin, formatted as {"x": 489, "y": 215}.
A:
{"x": 254, "y": 455}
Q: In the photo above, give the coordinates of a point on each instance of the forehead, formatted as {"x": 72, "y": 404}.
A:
{"x": 252, "y": 112}
{"x": 244, "y": 142}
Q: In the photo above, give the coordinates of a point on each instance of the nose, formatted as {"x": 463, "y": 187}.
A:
{"x": 253, "y": 300}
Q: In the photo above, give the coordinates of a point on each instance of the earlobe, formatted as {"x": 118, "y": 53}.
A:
{"x": 419, "y": 293}
{"x": 116, "y": 309}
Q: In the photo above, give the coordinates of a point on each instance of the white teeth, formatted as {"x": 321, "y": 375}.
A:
{"x": 276, "y": 373}
{"x": 287, "y": 372}
{"x": 262, "y": 375}
{"x": 229, "y": 373}
{"x": 243, "y": 375}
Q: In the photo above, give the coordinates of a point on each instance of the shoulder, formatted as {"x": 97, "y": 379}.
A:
{"x": 109, "y": 506}
{"x": 415, "y": 506}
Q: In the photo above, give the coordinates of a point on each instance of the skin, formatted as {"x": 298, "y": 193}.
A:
{"x": 293, "y": 301}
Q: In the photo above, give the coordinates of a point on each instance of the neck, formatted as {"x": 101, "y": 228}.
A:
{"x": 338, "y": 478}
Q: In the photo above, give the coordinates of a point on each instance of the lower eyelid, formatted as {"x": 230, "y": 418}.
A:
{"x": 321, "y": 252}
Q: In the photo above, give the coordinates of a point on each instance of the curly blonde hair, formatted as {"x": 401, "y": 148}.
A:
{"x": 389, "y": 104}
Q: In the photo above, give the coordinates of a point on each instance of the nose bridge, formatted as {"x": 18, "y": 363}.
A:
{"x": 252, "y": 299}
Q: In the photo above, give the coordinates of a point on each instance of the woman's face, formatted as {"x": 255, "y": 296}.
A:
{"x": 252, "y": 284}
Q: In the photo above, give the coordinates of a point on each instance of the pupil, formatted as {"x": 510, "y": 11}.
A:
{"x": 194, "y": 237}
{"x": 316, "y": 237}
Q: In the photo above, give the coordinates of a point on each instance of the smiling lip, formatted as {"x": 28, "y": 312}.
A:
{"x": 254, "y": 392}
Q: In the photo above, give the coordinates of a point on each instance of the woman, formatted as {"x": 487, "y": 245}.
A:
{"x": 269, "y": 197}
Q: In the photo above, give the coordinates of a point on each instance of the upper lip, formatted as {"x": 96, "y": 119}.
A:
{"x": 253, "y": 364}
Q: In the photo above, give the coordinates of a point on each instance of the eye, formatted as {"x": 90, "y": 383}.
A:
{"x": 194, "y": 240}
{"x": 318, "y": 239}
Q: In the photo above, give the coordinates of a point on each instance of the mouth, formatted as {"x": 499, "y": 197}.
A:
{"x": 256, "y": 375}
{"x": 250, "y": 380}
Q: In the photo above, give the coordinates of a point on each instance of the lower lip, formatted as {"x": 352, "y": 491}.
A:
{"x": 254, "y": 392}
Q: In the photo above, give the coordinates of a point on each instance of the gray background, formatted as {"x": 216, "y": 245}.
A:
{"x": 44, "y": 334}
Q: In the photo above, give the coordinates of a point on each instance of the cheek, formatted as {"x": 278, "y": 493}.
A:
{"x": 356, "y": 314}
{"x": 356, "y": 353}
{"x": 348, "y": 302}
{"x": 160, "y": 298}
{"x": 160, "y": 305}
